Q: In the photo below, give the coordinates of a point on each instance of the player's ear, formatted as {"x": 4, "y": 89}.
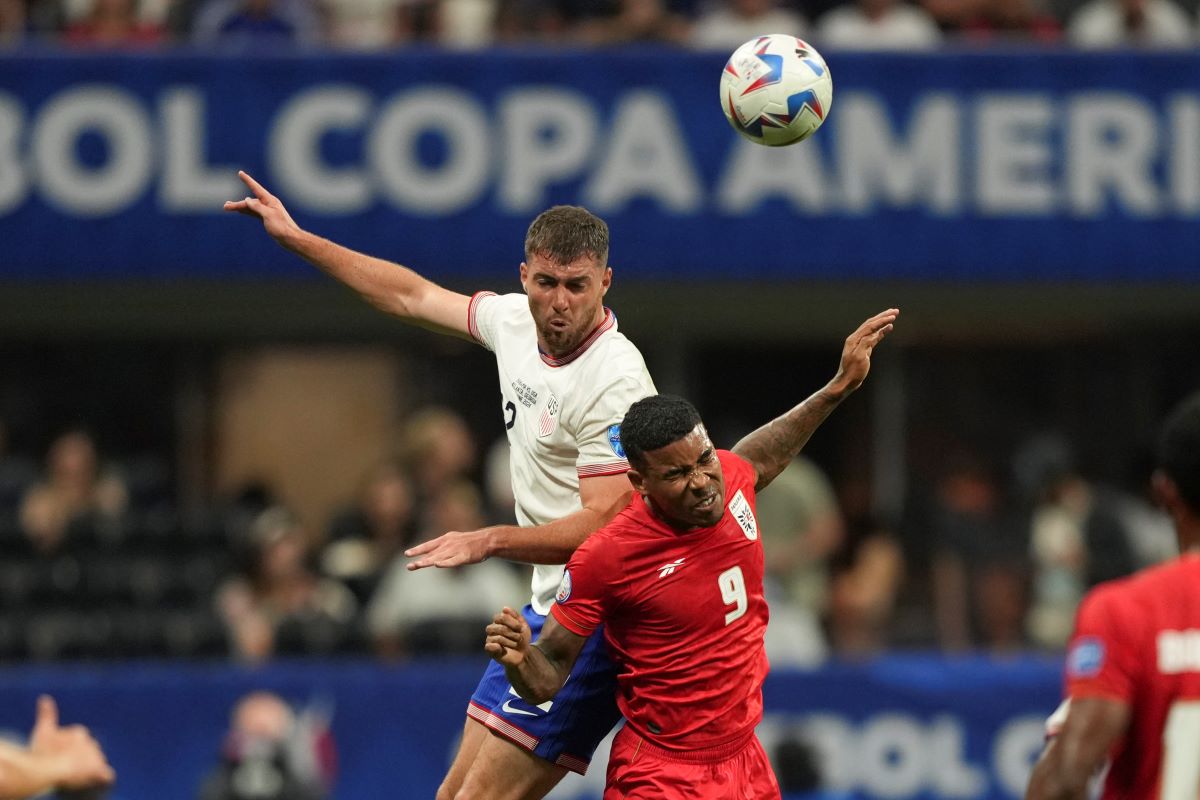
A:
{"x": 1166, "y": 493}
{"x": 636, "y": 478}
{"x": 606, "y": 280}
{"x": 524, "y": 272}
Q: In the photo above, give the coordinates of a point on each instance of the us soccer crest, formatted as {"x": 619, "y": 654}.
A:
{"x": 548, "y": 421}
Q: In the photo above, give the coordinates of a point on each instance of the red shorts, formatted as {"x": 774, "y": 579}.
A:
{"x": 638, "y": 770}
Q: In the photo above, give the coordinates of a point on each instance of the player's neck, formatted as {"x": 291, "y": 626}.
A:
{"x": 678, "y": 527}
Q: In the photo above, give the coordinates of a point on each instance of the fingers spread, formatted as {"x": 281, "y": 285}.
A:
{"x": 254, "y": 185}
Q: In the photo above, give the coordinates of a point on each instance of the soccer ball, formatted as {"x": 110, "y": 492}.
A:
{"x": 776, "y": 90}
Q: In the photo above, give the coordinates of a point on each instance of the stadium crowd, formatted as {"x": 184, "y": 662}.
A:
{"x": 100, "y": 560}
{"x": 374, "y": 25}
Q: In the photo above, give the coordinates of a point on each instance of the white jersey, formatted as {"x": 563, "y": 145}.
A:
{"x": 562, "y": 414}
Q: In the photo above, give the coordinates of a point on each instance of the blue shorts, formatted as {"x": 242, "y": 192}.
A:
{"x": 565, "y": 730}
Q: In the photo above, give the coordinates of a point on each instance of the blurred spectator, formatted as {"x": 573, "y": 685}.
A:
{"x": 437, "y": 449}
{"x": 74, "y": 484}
{"x": 865, "y": 578}
{"x": 256, "y": 23}
{"x": 801, "y": 527}
{"x": 112, "y": 24}
{"x": 497, "y": 481}
{"x": 1125, "y": 23}
{"x": 730, "y": 23}
{"x": 442, "y": 610}
{"x": 13, "y": 28}
{"x": 365, "y": 538}
{"x": 467, "y": 24}
{"x": 999, "y": 21}
{"x": 365, "y": 24}
{"x": 635, "y": 21}
{"x": 271, "y": 754}
{"x": 1077, "y": 537}
{"x": 877, "y": 25}
{"x": 281, "y": 594}
{"x": 979, "y": 568}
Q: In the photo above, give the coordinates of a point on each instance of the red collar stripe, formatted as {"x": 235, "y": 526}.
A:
{"x": 606, "y": 324}
{"x": 472, "y": 328}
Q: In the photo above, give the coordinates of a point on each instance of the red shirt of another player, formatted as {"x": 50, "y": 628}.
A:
{"x": 1137, "y": 640}
{"x": 684, "y": 617}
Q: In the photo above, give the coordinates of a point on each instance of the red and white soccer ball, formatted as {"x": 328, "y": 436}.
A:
{"x": 776, "y": 90}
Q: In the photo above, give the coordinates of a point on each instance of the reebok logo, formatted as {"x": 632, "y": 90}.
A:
{"x": 667, "y": 569}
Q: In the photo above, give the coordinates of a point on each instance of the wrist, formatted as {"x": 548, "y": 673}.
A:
{"x": 836, "y": 390}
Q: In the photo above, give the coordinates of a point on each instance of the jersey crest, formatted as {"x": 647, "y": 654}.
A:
{"x": 548, "y": 421}
{"x": 740, "y": 508}
{"x": 614, "y": 440}
{"x": 1086, "y": 658}
{"x": 564, "y": 588}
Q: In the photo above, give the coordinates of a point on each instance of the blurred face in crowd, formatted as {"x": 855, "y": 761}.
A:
{"x": 566, "y": 300}
{"x": 388, "y": 501}
{"x": 683, "y": 481}
{"x": 72, "y": 460}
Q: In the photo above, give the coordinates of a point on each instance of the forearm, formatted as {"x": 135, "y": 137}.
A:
{"x": 388, "y": 286}
{"x": 554, "y": 542}
{"x": 772, "y": 446}
{"x": 537, "y": 678}
{"x": 1052, "y": 779}
{"x": 24, "y": 774}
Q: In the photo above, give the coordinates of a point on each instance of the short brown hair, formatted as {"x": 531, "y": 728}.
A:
{"x": 564, "y": 233}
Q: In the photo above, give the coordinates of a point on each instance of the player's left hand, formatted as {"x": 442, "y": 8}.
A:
{"x": 508, "y": 638}
{"x": 452, "y": 549}
{"x": 856, "y": 353}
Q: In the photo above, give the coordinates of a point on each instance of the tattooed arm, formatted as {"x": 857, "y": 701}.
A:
{"x": 771, "y": 447}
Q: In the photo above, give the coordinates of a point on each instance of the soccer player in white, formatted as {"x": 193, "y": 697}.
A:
{"x": 566, "y": 378}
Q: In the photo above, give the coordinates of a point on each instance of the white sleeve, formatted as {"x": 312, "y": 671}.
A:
{"x": 481, "y": 318}
{"x": 598, "y": 429}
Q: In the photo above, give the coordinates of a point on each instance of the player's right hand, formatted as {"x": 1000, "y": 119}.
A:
{"x": 78, "y": 762}
{"x": 266, "y": 207}
{"x": 508, "y": 638}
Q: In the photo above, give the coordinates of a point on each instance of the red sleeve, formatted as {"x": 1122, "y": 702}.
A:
{"x": 584, "y": 596}
{"x": 1102, "y": 655}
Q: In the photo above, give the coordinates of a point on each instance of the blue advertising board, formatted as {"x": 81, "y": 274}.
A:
{"x": 916, "y": 727}
{"x": 996, "y": 166}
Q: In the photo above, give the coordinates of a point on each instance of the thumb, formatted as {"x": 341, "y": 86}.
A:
{"x": 47, "y": 714}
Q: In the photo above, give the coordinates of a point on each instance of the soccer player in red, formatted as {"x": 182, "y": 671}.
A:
{"x": 1133, "y": 665}
{"x": 676, "y": 581}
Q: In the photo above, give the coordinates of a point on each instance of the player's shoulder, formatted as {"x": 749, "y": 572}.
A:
{"x": 615, "y": 355}
{"x": 737, "y": 469}
{"x": 513, "y": 304}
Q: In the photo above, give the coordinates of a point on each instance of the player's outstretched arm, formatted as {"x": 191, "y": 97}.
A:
{"x": 538, "y": 671}
{"x": 387, "y": 286}
{"x": 57, "y": 758}
{"x": 771, "y": 447}
{"x": 602, "y": 497}
{"x": 1078, "y": 752}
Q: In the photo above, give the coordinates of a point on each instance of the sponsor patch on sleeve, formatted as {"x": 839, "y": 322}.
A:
{"x": 1085, "y": 659}
{"x": 564, "y": 588}
{"x": 614, "y": 439}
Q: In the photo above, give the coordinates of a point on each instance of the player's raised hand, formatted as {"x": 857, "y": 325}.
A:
{"x": 76, "y": 758}
{"x": 508, "y": 638}
{"x": 266, "y": 207}
{"x": 452, "y": 549}
{"x": 856, "y": 353}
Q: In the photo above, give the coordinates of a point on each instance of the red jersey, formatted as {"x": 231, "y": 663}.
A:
{"x": 1137, "y": 640}
{"x": 683, "y": 614}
